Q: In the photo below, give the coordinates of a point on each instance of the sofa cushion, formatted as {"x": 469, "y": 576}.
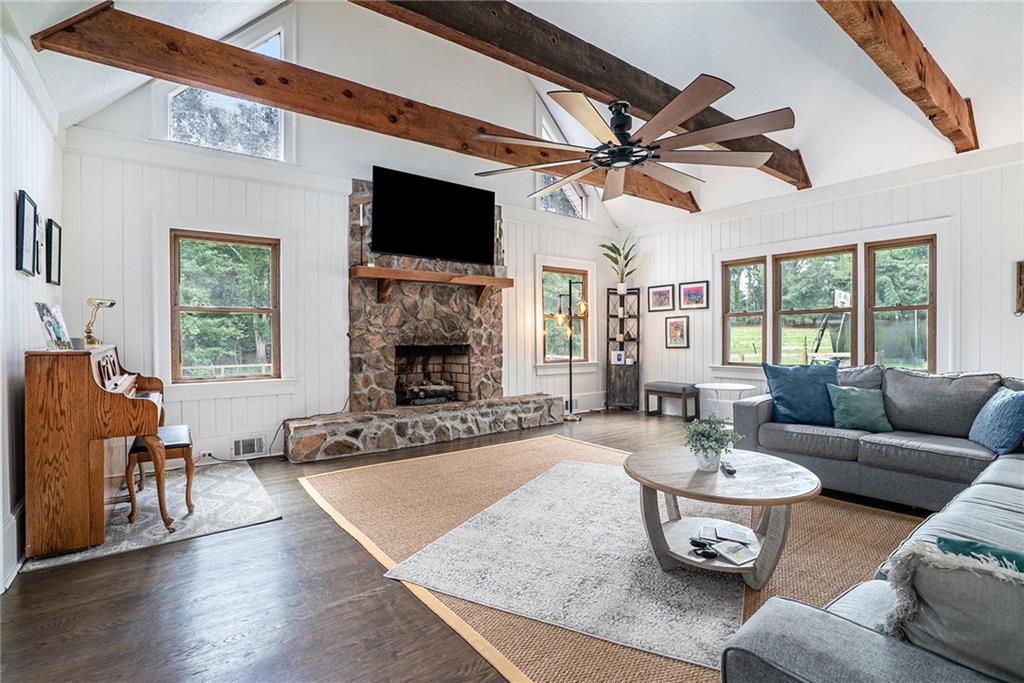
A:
{"x": 862, "y": 377}
{"x": 936, "y": 404}
{"x": 941, "y": 457}
{"x": 1007, "y": 470}
{"x": 856, "y": 408}
{"x": 1000, "y": 424}
{"x": 986, "y": 513}
{"x": 867, "y": 604}
{"x": 799, "y": 392}
{"x": 961, "y": 608}
{"x": 822, "y": 442}
{"x": 1013, "y": 383}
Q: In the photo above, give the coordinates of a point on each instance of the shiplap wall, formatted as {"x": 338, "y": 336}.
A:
{"x": 984, "y": 205}
{"x": 524, "y": 241}
{"x": 31, "y": 161}
{"x": 114, "y": 206}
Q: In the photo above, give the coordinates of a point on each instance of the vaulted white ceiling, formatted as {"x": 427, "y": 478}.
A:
{"x": 78, "y": 88}
{"x": 851, "y": 121}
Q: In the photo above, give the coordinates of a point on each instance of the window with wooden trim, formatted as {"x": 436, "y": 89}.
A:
{"x": 555, "y": 285}
{"x": 225, "y": 307}
{"x": 743, "y": 312}
{"x": 900, "y": 292}
{"x": 814, "y": 312}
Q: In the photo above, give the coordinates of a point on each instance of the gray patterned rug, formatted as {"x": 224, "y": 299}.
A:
{"x": 569, "y": 549}
{"x": 226, "y": 496}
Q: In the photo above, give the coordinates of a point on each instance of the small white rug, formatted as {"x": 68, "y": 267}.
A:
{"x": 569, "y": 549}
{"x": 226, "y": 496}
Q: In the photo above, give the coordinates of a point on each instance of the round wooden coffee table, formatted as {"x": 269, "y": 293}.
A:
{"x": 761, "y": 480}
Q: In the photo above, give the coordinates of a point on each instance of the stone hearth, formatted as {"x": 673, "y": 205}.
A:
{"x": 417, "y": 314}
{"x": 339, "y": 435}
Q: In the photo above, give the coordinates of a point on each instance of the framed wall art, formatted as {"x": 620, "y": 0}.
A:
{"x": 25, "y": 239}
{"x": 693, "y": 295}
{"x": 661, "y": 298}
{"x": 677, "y": 332}
{"x": 54, "y": 239}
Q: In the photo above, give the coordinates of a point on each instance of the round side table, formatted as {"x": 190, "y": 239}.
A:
{"x": 718, "y": 387}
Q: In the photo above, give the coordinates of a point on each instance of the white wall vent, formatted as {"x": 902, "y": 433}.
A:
{"x": 249, "y": 446}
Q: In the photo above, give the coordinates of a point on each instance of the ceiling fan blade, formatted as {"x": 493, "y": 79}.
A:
{"x": 700, "y": 94}
{"x": 683, "y": 182}
{"x": 709, "y": 157}
{"x": 577, "y": 104}
{"x": 486, "y": 137}
{"x": 547, "y": 164}
{"x": 780, "y": 119}
{"x": 548, "y": 189}
{"x": 613, "y": 184}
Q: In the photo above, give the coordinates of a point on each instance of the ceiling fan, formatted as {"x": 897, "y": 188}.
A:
{"x": 619, "y": 150}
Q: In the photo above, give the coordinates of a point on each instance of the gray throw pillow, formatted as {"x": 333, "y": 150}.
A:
{"x": 1013, "y": 383}
{"x": 962, "y": 608}
{"x": 862, "y": 377}
{"x": 936, "y": 404}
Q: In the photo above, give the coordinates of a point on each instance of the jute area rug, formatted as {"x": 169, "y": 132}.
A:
{"x": 396, "y": 509}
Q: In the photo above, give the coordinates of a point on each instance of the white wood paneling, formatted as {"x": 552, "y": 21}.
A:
{"x": 984, "y": 206}
{"x": 30, "y": 160}
{"x": 117, "y": 200}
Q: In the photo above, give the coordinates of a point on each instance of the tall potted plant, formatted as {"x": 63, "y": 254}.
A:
{"x": 621, "y": 258}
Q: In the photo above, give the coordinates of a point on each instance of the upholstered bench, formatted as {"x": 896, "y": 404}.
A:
{"x": 678, "y": 390}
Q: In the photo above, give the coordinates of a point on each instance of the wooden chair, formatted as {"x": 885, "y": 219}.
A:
{"x": 177, "y": 442}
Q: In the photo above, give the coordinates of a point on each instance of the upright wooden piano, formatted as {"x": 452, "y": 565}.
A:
{"x": 73, "y": 401}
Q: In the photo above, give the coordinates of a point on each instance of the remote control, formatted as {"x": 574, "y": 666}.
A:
{"x": 727, "y": 468}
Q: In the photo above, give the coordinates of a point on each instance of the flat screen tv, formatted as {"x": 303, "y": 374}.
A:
{"x": 428, "y": 218}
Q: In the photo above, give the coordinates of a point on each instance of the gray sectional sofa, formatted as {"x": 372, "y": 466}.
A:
{"x": 926, "y": 461}
{"x": 927, "y": 615}
{"x": 969, "y": 625}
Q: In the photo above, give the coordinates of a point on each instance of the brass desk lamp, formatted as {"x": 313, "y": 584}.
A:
{"x": 96, "y": 304}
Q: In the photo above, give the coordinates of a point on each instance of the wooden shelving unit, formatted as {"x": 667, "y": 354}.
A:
{"x": 387, "y": 277}
{"x": 622, "y": 385}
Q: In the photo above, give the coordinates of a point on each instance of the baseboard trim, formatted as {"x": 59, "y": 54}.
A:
{"x": 13, "y": 556}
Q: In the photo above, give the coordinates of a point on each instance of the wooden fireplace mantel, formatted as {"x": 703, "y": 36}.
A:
{"x": 387, "y": 277}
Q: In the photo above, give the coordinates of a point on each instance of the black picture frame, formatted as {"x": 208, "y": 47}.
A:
{"x": 704, "y": 284}
{"x": 671, "y": 294}
{"x": 54, "y": 242}
{"x": 25, "y": 227}
{"x": 686, "y": 332}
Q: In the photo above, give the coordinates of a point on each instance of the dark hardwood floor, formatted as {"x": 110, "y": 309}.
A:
{"x": 291, "y": 600}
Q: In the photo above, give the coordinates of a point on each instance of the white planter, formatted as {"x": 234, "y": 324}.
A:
{"x": 707, "y": 462}
{"x": 621, "y": 288}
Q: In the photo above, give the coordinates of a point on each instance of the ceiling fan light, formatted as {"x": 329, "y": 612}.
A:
{"x": 620, "y": 163}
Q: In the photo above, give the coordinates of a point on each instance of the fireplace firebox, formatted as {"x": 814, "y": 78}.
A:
{"x": 431, "y": 374}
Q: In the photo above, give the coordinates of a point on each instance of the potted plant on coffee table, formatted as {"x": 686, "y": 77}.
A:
{"x": 621, "y": 258}
{"x": 709, "y": 439}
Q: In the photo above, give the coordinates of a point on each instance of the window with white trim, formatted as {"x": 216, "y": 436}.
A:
{"x": 207, "y": 119}
{"x": 569, "y": 200}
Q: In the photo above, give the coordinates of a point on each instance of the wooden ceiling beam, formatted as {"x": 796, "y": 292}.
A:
{"x": 512, "y": 35}
{"x": 881, "y": 30}
{"x": 109, "y": 36}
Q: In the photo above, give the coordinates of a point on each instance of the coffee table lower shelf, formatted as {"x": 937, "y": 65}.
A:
{"x": 670, "y": 540}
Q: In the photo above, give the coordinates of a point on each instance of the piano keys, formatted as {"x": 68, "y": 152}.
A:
{"x": 74, "y": 400}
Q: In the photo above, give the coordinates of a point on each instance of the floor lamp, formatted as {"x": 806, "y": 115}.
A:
{"x": 562, "y": 319}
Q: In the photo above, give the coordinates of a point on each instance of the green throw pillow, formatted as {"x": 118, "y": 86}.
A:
{"x": 854, "y": 408}
{"x": 1008, "y": 559}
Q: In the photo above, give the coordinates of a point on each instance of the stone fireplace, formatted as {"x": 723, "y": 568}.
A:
{"x": 419, "y": 315}
{"x": 425, "y": 375}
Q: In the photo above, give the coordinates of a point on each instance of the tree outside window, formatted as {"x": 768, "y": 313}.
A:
{"x": 743, "y": 319}
{"x": 225, "y": 321}
{"x": 555, "y": 286}
{"x": 207, "y": 119}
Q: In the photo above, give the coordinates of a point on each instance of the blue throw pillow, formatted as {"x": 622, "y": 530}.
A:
{"x": 800, "y": 392}
{"x": 1000, "y": 424}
